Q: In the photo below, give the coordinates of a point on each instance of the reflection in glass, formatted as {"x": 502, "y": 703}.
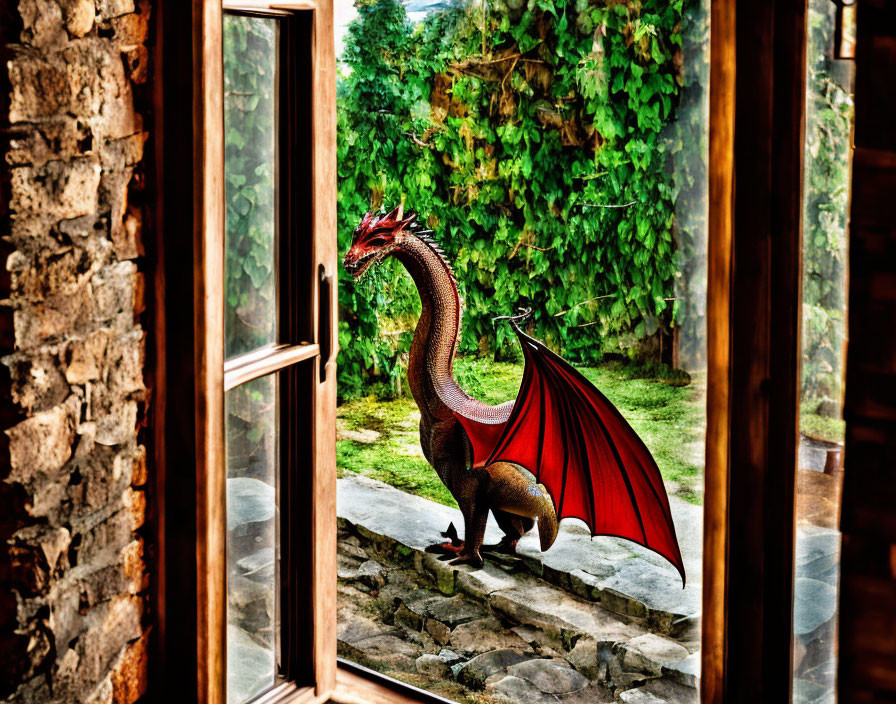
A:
{"x": 819, "y": 476}
{"x": 251, "y": 432}
{"x": 250, "y": 173}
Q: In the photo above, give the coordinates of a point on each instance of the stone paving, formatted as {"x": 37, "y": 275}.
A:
{"x": 525, "y": 629}
{"x": 591, "y": 620}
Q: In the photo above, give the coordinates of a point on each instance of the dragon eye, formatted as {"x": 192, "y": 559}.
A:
{"x": 377, "y": 242}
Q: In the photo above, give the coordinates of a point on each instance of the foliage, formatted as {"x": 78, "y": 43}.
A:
{"x": 827, "y": 169}
{"x": 533, "y": 137}
{"x": 667, "y": 415}
{"x": 250, "y": 69}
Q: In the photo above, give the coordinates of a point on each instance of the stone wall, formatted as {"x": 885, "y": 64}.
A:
{"x": 72, "y": 625}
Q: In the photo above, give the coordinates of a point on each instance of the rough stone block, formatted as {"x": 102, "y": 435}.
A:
{"x": 123, "y": 575}
{"x": 550, "y": 676}
{"x": 114, "y": 287}
{"x": 42, "y": 24}
{"x": 82, "y": 363}
{"x": 129, "y": 678}
{"x": 47, "y": 498}
{"x": 120, "y": 621}
{"x": 440, "y": 633}
{"x": 583, "y": 657}
{"x": 136, "y": 502}
{"x": 433, "y": 665}
{"x": 102, "y": 694}
{"x": 117, "y": 425}
{"x": 475, "y": 672}
{"x": 54, "y": 544}
{"x": 37, "y": 381}
{"x": 127, "y": 234}
{"x": 649, "y": 652}
{"x": 56, "y": 269}
{"x": 685, "y": 672}
{"x": 118, "y": 154}
{"x": 41, "y": 443}
{"x": 101, "y": 478}
{"x": 66, "y": 619}
{"x": 48, "y": 322}
{"x": 109, "y": 537}
{"x": 485, "y": 634}
{"x": 131, "y": 29}
{"x": 440, "y": 572}
{"x": 56, "y": 189}
{"x": 108, "y": 9}
{"x": 86, "y": 79}
{"x": 59, "y": 139}
{"x": 124, "y": 360}
{"x": 79, "y": 16}
{"x": 508, "y": 688}
{"x": 639, "y": 696}
{"x": 482, "y": 582}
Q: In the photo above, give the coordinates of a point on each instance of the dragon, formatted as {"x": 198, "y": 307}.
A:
{"x": 560, "y": 450}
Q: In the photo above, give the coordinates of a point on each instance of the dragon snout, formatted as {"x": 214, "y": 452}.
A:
{"x": 349, "y": 264}
{"x": 355, "y": 264}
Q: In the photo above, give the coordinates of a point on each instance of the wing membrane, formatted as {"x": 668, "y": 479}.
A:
{"x": 576, "y": 443}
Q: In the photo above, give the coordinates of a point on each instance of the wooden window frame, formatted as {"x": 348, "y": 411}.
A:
{"x": 757, "y": 79}
{"x": 190, "y": 374}
{"x": 291, "y": 355}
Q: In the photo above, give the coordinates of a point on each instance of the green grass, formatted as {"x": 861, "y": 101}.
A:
{"x": 818, "y": 426}
{"x": 665, "y": 408}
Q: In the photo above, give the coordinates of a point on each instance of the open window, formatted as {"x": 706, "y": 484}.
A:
{"x": 247, "y": 608}
{"x": 269, "y": 367}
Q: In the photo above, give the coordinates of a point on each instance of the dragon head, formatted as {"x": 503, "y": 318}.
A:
{"x": 376, "y": 237}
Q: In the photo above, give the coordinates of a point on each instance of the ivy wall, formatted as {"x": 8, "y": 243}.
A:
{"x": 541, "y": 143}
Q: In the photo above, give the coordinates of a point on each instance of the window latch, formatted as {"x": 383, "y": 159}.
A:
{"x": 326, "y": 328}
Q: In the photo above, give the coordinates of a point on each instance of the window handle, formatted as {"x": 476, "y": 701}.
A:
{"x": 326, "y": 329}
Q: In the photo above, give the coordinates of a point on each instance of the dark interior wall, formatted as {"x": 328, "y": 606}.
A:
{"x": 868, "y": 579}
{"x": 73, "y": 604}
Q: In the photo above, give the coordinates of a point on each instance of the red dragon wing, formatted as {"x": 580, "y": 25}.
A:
{"x": 576, "y": 443}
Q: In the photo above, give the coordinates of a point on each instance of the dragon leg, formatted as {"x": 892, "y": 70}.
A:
{"x": 514, "y": 527}
{"x": 511, "y": 492}
{"x": 475, "y": 520}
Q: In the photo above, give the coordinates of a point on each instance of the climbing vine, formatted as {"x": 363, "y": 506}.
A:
{"x": 532, "y": 136}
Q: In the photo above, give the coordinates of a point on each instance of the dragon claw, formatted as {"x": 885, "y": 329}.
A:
{"x": 451, "y": 534}
{"x": 505, "y": 547}
{"x": 452, "y": 548}
{"x": 464, "y": 559}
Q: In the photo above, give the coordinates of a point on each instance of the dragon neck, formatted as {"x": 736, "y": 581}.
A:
{"x": 436, "y": 336}
{"x": 435, "y": 339}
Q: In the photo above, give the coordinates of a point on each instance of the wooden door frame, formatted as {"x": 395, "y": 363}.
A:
{"x": 757, "y": 116}
{"x": 746, "y": 541}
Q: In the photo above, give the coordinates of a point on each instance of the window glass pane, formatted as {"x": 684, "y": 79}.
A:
{"x": 829, "y": 121}
{"x": 560, "y": 160}
{"x": 252, "y": 436}
{"x": 250, "y": 181}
